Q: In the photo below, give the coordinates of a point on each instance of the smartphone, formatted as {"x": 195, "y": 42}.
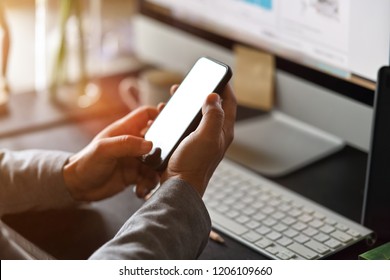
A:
{"x": 182, "y": 113}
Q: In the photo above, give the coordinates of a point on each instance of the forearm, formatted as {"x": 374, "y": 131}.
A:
{"x": 32, "y": 180}
{"x": 172, "y": 224}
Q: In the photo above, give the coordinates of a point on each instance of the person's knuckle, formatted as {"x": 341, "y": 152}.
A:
{"x": 126, "y": 141}
{"x": 99, "y": 146}
{"x": 217, "y": 113}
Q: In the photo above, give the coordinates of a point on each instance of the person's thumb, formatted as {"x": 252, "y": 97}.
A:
{"x": 213, "y": 117}
{"x": 123, "y": 146}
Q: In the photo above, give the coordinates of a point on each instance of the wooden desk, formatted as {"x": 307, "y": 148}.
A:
{"x": 336, "y": 182}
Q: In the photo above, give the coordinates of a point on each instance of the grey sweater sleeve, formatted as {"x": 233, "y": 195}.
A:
{"x": 172, "y": 224}
{"x": 32, "y": 180}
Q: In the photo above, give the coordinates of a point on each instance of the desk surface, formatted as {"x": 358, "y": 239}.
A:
{"x": 336, "y": 182}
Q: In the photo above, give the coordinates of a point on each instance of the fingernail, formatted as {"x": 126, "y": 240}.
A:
{"x": 146, "y": 145}
{"x": 219, "y": 101}
{"x": 215, "y": 99}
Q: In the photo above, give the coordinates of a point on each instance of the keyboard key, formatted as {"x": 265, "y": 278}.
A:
{"x": 252, "y": 236}
{"x": 284, "y": 241}
{"x": 248, "y": 199}
{"x": 290, "y": 233}
{"x": 301, "y": 238}
{"x": 265, "y": 197}
{"x": 284, "y": 252}
{"x": 341, "y": 236}
{"x": 219, "y": 196}
{"x": 238, "y": 206}
{"x": 273, "y": 235}
{"x": 237, "y": 195}
{"x": 330, "y": 221}
{"x": 230, "y": 225}
{"x": 229, "y": 201}
{"x": 259, "y": 217}
{"x": 299, "y": 226}
{"x": 316, "y": 223}
{"x": 242, "y": 219}
{"x": 212, "y": 203}
{"x": 264, "y": 243}
{"x": 332, "y": 243}
{"x": 249, "y": 211}
{"x": 268, "y": 210}
{"x": 278, "y": 215}
{"x": 274, "y": 194}
{"x": 269, "y": 222}
{"x": 232, "y": 214}
{"x": 302, "y": 251}
{"x": 252, "y": 224}
{"x": 353, "y": 233}
{"x": 321, "y": 237}
{"x": 310, "y": 231}
{"x": 327, "y": 229}
{"x": 289, "y": 221}
{"x": 295, "y": 213}
{"x": 305, "y": 218}
{"x": 318, "y": 247}
{"x": 319, "y": 215}
{"x": 263, "y": 230}
{"x": 284, "y": 207}
{"x": 222, "y": 208}
{"x": 255, "y": 192}
{"x": 274, "y": 202}
{"x": 297, "y": 205}
{"x": 342, "y": 227}
{"x": 273, "y": 250}
{"x": 307, "y": 210}
{"x": 258, "y": 205}
{"x": 283, "y": 256}
{"x": 285, "y": 199}
{"x": 280, "y": 227}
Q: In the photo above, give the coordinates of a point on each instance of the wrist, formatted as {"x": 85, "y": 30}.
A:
{"x": 70, "y": 179}
{"x": 199, "y": 185}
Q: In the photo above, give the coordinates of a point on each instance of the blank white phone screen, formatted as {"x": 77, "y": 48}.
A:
{"x": 184, "y": 105}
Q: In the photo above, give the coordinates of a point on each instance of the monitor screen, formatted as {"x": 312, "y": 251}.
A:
{"x": 343, "y": 38}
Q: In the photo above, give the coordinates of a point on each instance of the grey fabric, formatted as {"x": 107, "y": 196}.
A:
{"x": 172, "y": 224}
{"x": 32, "y": 180}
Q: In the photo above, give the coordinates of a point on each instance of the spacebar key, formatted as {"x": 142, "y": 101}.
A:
{"x": 303, "y": 251}
{"x": 230, "y": 225}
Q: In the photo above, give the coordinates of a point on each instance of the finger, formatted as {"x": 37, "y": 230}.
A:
{"x": 145, "y": 186}
{"x": 122, "y": 146}
{"x": 229, "y": 106}
{"x": 160, "y": 107}
{"x": 133, "y": 123}
{"x": 173, "y": 89}
{"x": 213, "y": 117}
{"x": 146, "y": 183}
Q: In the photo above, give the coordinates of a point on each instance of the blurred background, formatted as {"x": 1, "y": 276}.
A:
{"x": 22, "y": 17}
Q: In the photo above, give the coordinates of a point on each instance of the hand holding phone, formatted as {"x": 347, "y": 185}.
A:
{"x": 196, "y": 158}
{"x": 182, "y": 113}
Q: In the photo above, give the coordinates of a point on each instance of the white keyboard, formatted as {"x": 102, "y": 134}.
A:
{"x": 273, "y": 220}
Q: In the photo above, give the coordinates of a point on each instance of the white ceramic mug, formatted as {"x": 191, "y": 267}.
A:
{"x": 151, "y": 87}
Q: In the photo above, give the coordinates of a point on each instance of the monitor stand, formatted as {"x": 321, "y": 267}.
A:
{"x": 276, "y": 144}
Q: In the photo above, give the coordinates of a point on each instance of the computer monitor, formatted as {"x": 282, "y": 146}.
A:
{"x": 327, "y": 54}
